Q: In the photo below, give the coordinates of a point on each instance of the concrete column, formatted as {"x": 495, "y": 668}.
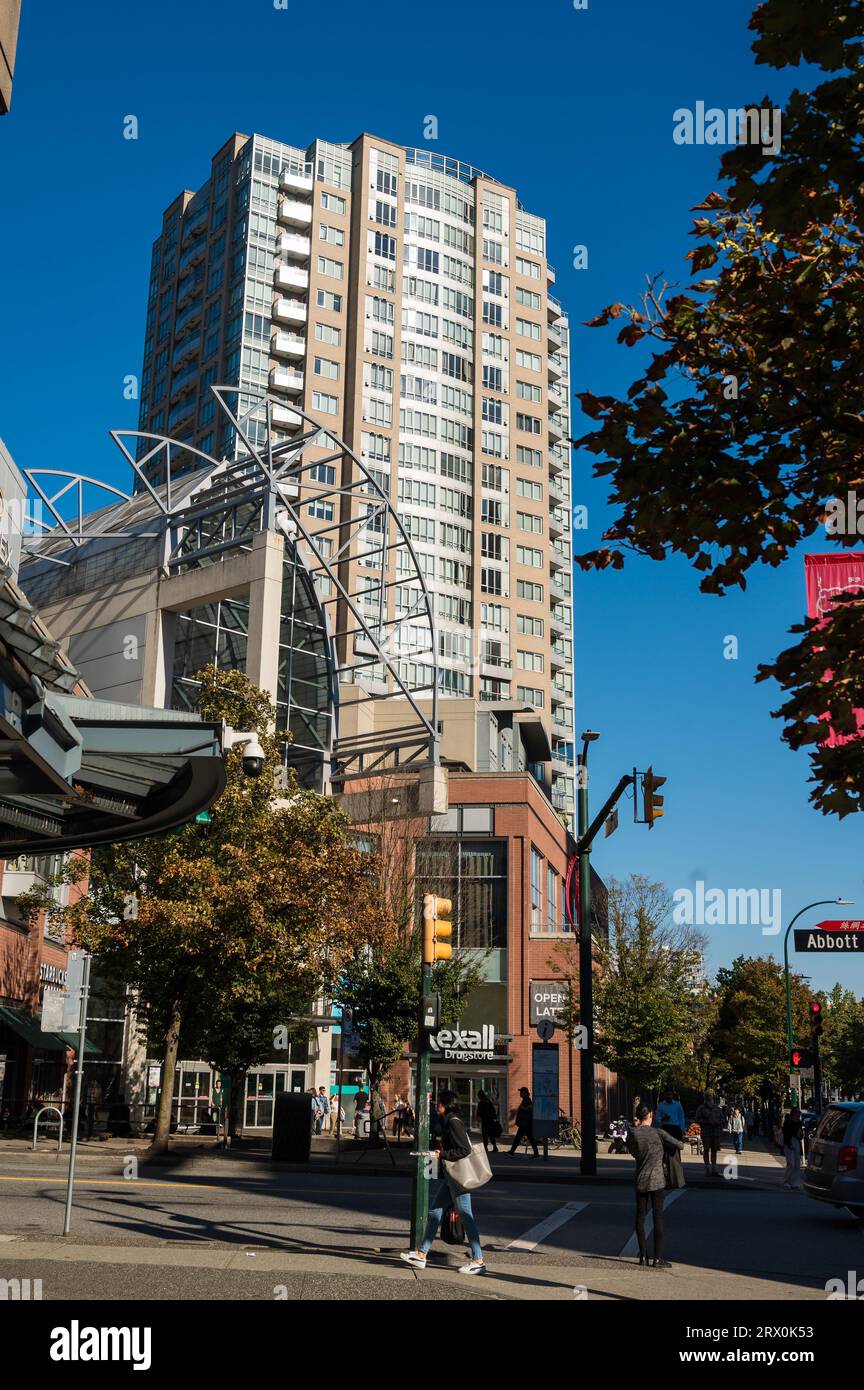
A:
{"x": 265, "y": 603}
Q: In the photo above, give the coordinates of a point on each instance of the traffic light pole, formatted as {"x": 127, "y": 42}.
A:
{"x": 586, "y": 833}
{"x": 420, "y": 1181}
{"x": 823, "y": 902}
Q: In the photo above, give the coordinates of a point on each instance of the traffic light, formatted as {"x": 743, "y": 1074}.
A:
{"x": 816, "y": 1018}
{"x": 801, "y": 1058}
{"x": 436, "y": 929}
{"x": 652, "y": 804}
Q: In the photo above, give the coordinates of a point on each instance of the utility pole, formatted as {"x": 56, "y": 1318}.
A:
{"x": 586, "y": 834}
{"x": 436, "y": 946}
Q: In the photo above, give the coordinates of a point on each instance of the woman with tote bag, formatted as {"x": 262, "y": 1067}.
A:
{"x": 466, "y": 1167}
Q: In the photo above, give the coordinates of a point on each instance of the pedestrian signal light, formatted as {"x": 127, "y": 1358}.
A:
{"x": 816, "y": 1018}
{"x": 437, "y": 928}
{"x": 801, "y": 1058}
{"x": 652, "y": 804}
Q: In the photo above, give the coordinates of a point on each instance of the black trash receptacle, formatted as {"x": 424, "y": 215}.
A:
{"x": 292, "y": 1127}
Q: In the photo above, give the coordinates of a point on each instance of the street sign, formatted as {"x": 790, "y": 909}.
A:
{"x": 831, "y": 936}
{"x": 53, "y": 1001}
{"x": 545, "y": 1029}
{"x": 72, "y": 996}
{"x": 432, "y": 1012}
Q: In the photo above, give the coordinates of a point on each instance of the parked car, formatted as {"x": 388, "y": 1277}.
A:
{"x": 835, "y": 1162}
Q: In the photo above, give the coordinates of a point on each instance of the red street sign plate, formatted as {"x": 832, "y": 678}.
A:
{"x": 831, "y": 936}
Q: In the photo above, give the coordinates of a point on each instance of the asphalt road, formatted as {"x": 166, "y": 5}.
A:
{"x": 258, "y": 1234}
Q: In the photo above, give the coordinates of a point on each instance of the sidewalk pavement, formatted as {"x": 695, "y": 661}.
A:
{"x": 759, "y": 1165}
{"x": 118, "y": 1272}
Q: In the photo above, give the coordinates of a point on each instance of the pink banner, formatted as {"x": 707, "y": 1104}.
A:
{"x": 827, "y": 576}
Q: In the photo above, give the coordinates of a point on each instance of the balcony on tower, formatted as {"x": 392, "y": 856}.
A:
{"x": 291, "y": 277}
{"x": 290, "y": 310}
{"x": 287, "y": 345}
{"x": 294, "y": 213}
{"x": 296, "y": 178}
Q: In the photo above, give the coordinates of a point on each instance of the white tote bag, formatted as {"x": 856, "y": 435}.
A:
{"x": 470, "y": 1172}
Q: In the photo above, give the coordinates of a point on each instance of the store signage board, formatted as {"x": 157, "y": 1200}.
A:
{"x": 463, "y": 1044}
{"x": 547, "y": 999}
{"x": 846, "y": 937}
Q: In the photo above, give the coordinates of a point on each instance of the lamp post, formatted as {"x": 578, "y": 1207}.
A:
{"x": 823, "y": 902}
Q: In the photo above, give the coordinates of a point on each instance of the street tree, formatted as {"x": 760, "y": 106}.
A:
{"x": 223, "y": 930}
{"x": 746, "y": 418}
{"x": 842, "y": 1043}
{"x": 643, "y": 1005}
{"x": 749, "y": 1040}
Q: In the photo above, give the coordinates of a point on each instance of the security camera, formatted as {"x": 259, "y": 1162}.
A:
{"x": 253, "y": 753}
{"x": 253, "y": 759}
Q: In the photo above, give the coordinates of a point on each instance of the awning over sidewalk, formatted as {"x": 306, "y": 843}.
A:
{"x": 28, "y": 1030}
{"x": 75, "y": 771}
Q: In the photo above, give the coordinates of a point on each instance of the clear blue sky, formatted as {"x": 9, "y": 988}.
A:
{"x": 574, "y": 108}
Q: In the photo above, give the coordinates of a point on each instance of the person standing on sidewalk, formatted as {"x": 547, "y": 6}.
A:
{"x": 737, "y": 1126}
{"x": 525, "y": 1121}
{"x": 669, "y": 1115}
{"x": 648, "y": 1146}
{"x": 455, "y": 1144}
{"x": 792, "y": 1136}
{"x": 711, "y": 1121}
{"x": 487, "y": 1118}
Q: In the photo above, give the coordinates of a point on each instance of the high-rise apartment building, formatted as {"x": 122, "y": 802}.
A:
{"x": 402, "y": 300}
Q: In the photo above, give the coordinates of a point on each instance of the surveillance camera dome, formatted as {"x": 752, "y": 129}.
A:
{"x": 253, "y": 759}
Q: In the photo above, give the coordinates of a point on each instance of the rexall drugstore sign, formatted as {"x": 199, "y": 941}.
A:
{"x": 464, "y": 1044}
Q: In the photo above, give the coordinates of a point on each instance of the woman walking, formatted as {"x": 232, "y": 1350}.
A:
{"x": 648, "y": 1146}
{"x": 455, "y": 1144}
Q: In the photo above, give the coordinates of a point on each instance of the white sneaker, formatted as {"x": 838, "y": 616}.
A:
{"x": 474, "y": 1267}
{"x": 413, "y": 1257}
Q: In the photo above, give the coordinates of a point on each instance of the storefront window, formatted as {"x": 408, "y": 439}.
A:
{"x": 473, "y": 874}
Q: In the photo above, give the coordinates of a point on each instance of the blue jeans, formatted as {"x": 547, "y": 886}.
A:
{"x": 739, "y": 1142}
{"x": 441, "y": 1197}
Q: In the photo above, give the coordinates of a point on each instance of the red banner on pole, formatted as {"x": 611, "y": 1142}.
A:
{"x": 828, "y": 576}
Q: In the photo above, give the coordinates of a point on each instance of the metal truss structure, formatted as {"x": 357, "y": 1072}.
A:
{"x": 333, "y": 509}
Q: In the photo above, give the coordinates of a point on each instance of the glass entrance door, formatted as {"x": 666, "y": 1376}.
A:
{"x": 467, "y": 1087}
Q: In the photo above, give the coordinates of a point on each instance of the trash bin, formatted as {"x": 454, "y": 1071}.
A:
{"x": 292, "y": 1127}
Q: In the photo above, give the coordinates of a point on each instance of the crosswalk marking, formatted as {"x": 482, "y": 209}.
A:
{"x": 532, "y": 1238}
{"x": 632, "y": 1246}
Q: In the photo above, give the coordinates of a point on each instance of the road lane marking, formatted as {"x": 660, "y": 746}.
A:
{"x": 632, "y": 1246}
{"x": 116, "y": 1182}
{"x": 532, "y": 1238}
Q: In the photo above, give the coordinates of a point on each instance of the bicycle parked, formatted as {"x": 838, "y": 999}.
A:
{"x": 568, "y": 1133}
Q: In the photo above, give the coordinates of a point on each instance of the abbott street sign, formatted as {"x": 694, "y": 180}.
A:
{"x": 831, "y": 936}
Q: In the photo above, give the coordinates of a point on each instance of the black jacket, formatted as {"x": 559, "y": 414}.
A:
{"x": 455, "y": 1143}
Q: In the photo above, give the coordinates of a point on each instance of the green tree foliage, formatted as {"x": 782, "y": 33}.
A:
{"x": 644, "y": 1014}
{"x": 747, "y": 416}
{"x": 382, "y": 988}
{"x": 749, "y": 1042}
{"x": 223, "y": 930}
{"x": 842, "y": 1043}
